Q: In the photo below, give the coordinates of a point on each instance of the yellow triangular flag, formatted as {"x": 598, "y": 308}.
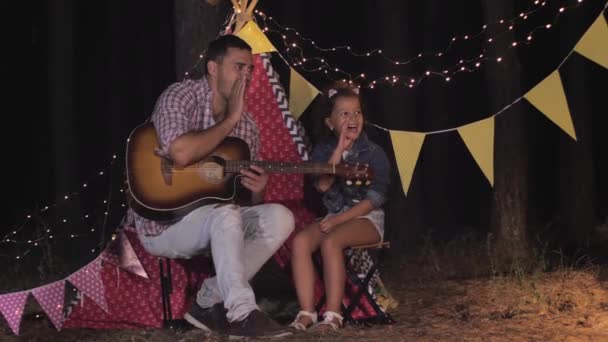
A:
{"x": 407, "y": 147}
{"x": 549, "y": 97}
{"x": 479, "y": 138}
{"x": 258, "y": 41}
{"x": 301, "y": 94}
{"x": 594, "y": 43}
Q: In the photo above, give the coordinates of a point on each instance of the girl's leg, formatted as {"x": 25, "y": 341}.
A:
{"x": 355, "y": 232}
{"x": 304, "y": 244}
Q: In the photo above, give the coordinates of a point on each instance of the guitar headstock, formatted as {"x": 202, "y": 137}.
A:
{"x": 355, "y": 173}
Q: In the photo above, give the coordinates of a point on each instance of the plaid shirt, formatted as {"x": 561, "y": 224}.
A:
{"x": 185, "y": 107}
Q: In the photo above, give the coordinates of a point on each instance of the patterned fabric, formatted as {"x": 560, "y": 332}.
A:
{"x": 88, "y": 282}
{"x": 276, "y": 141}
{"x": 362, "y": 262}
{"x": 11, "y": 307}
{"x": 294, "y": 127}
{"x": 51, "y": 298}
{"x": 184, "y": 107}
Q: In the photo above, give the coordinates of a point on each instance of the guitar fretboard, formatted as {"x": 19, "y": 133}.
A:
{"x": 234, "y": 166}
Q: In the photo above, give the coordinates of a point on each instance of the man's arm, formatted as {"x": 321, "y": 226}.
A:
{"x": 191, "y": 147}
{"x": 194, "y": 146}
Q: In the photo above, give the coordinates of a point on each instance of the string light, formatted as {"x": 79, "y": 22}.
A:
{"x": 319, "y": 64}
{"x": 454, "y": 40}
{"x": 34, "y": 242}
{"x": 325, "y": 68}
{"x": 38, "y": 241}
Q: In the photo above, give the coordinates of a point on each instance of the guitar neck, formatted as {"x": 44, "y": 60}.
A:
{"x": 234, "y": 166}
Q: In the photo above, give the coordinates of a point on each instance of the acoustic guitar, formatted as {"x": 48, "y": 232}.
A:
{"x": 160, "y": 191}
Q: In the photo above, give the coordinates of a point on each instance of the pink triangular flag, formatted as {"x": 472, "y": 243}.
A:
{"x": 88, "y": 281}
{"x": 110, "y": 253}
{"x": 51, "y": 299}
{"x": 129, "y": 261}
{"x": 11, "y": 306}
{"x": 120, "y": 252}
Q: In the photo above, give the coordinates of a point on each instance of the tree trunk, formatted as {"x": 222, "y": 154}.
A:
{"x": 392, "y": 104}
{"x": 508, "y": 243}
{"x": 437, "y": 207}
{"x": 576, "y": 176}
{"x": 197, "y": 23}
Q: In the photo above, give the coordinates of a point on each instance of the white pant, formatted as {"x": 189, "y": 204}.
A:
{"x": 242, "y": 239}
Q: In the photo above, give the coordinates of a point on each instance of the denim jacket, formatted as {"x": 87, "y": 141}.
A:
{"x": 364, "y": 151}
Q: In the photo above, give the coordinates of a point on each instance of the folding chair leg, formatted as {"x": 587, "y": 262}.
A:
{"x": 363, "y": 290}
{"x": 165, "y": 290}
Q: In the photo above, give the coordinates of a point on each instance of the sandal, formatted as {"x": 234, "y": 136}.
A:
{"x": 296, "y": 324}
{"x": 331, "y": 319}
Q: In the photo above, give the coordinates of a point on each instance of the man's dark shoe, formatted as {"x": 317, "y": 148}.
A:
{"x": 208, "y": 319}
{"x": 257, "y": 324}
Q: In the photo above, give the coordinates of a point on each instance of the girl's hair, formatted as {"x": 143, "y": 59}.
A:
{"x": 332, "y": 94}
{"x": 326, "y": 103}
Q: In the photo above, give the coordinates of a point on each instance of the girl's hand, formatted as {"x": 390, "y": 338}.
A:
{"x": 344, "y": 142}
{"x": 328, "y": 223}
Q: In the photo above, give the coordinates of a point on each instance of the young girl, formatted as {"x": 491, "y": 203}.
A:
{"x": 354, "y": 214}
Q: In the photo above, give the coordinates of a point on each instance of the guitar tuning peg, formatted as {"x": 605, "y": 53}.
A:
{"x": 358, "y": 182}
{"x": 368, "y": 182}
{"x": 349, "y": 182}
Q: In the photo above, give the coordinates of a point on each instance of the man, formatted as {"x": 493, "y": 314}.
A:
{"x": 191, "y": 118}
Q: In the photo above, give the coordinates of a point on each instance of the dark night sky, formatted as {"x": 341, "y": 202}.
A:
{"x": 80, "y": 75}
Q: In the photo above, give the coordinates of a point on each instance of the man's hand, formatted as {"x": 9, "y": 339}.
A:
{"x": 236, "y": 101}
{"x": 255, "y": 181}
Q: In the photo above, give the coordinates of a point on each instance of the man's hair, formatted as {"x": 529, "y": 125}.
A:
{"x": 217, "y": 49}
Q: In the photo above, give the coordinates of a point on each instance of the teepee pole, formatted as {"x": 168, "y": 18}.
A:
{"x": 252, "y": 6}
{"x": 244, "y": 11}
{"x": 235, "y": 4}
